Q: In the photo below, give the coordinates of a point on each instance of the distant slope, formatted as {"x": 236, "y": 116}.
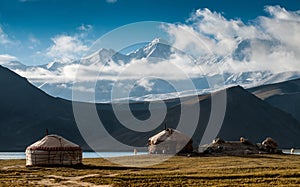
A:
{"x": 286, "y": 87}
{"x": 25, "y": 113}
{"x": 284, "y": 95}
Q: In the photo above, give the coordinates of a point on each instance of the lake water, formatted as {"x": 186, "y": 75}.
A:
{"x": 21, "y": 155}
{"x": 288, "y": 151}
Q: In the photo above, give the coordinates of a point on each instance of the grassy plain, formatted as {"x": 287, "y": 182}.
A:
{"x": 254, "y": 170}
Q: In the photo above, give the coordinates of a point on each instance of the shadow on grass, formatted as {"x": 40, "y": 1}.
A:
{"x": 263, "y": 156}
{"x": 89, "y": 167}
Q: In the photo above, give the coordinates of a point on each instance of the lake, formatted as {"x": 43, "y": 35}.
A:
{"x": 288, "y": 151}
{"x": 21, "y": 155}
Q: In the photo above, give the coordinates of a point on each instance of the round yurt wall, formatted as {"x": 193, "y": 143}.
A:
{"x": 53, "y": 150}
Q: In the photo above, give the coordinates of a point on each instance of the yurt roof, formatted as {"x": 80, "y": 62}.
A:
{"x": 54, "y": 142}
{"x": 169, "y": 135}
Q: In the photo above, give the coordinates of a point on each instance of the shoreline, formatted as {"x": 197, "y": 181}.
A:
{"x": 22, "y": 156}
{"x": 196, "y": 155}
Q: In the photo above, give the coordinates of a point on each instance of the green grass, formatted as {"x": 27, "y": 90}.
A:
{"x": 258, "y": 170}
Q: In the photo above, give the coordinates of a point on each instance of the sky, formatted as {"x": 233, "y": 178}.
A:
{"x": 37, "y": 32}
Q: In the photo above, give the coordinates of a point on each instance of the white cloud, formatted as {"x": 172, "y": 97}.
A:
{"x": 283, "y": 26}
{"x": 187, "y": 43}
{"x": 146, "y": 83}
{"x": 25, "y": 1}
{"x": 34, "y": 40}
{"x": 111, "y": 1}
{"x": 273, "y": 41}
{"x": 66, "y": 48}
{"x": 5, "y": 58}
{"x": 215, "y": 33}
{"x": 85, "y": 27}
{"x": 39, "y": 75}
{"x": 280, "y": 13}
{"x": 4, "y": 39}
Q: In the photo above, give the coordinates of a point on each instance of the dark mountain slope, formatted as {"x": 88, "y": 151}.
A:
{"x": 246, "y": 115}
{"x": 25, "y": 113}
{"x": 284, "y": 95}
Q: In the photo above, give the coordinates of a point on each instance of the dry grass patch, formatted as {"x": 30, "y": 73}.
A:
{"x": 257, "y": 170}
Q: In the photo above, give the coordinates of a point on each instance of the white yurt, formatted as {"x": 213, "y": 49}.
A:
{"x": 53, "y": 150}
{"x": 170, "y": 141}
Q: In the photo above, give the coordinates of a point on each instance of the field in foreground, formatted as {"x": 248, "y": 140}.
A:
{"x": 258, "y": 170}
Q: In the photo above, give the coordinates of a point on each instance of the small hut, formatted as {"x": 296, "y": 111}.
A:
{"x": 53, "y": 150}
{"x": 170, "y": 141}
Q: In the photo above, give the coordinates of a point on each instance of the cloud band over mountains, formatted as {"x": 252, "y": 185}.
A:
{"x": 267, "y": 44}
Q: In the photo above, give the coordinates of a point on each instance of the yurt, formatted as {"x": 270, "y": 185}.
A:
{"x": 53, "y": 150}
{"x": 170, "y": 141}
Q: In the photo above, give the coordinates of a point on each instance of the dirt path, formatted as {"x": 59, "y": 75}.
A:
{"x": 13, "y": 167}
{"x": 56, "y": 180}
{"x": 68, "y": 181}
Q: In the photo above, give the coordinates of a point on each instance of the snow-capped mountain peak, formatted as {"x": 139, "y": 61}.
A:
{"x": 52, "y": 66}
{"x": 156, "y": 42}
{"x": 105, "y": 57}
{"x": 157, "y": 48}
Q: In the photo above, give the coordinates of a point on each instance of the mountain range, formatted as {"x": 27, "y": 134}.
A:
{"x": 105, "y": 67}
{"x": 26, "y": 111}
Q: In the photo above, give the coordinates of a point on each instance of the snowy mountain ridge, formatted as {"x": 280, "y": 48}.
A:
{"x": 157, "y": 60}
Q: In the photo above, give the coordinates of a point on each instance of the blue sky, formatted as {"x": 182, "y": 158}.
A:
{"x": 29, "y": 28}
